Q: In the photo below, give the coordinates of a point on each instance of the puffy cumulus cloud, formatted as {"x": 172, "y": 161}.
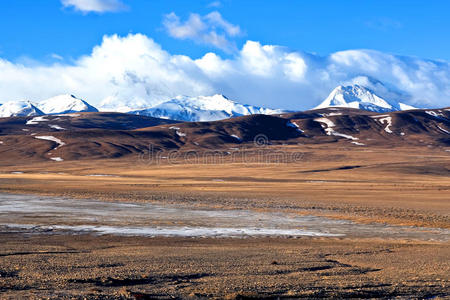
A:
{"x": 98, "y": 6}
{"x": 134, "y": 71}
{"x": 211, "y": 29}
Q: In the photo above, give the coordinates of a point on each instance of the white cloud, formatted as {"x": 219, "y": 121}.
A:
{"x": 98, "y": 6}
{"x": 210, "y": 29}
{"x": 136, "y": 71}
{"x": 215, "y": 4}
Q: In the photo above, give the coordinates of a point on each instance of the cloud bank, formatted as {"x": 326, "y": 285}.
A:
{"x": 135, "y": 71}
{"x": 99, "y": 6}
{"x": 210, "y": 29}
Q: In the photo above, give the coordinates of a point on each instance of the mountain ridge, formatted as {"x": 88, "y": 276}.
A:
{"x": 202, "y": 108}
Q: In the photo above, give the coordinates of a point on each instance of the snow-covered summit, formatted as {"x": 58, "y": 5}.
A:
{"x": 63, "y": 104}
{"x": 360, "y": 97}
{"x": 202, "y": 108}
{"x": 19, "y": 109}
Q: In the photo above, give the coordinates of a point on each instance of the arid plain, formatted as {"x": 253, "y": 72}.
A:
{"x": 395, "y": 186}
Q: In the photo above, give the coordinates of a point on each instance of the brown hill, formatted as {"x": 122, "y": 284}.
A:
{"x": 113, "y": 135}
{"x": 77, "y": 121}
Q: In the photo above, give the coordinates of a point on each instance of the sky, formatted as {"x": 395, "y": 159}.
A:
{"x": 281, "y": 54}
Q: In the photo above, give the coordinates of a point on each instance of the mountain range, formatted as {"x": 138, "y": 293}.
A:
{"x": 201, "y": 108}
{"x": 217, "y": 107}
{"x": 101, "y": 135}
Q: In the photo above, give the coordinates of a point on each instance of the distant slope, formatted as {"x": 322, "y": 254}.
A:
{"x": 76, "y": 121}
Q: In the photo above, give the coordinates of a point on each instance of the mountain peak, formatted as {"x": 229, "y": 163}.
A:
{"x": 19, "y": 109}
{"x": 65, "y": 103}
{"x": 360, "y": 97}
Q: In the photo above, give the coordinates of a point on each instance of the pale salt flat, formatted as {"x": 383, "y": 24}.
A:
{"x": 37, "y": 214}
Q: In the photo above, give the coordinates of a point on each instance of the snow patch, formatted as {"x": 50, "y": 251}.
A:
{"x": 180, "y": 134}
{"x": 294, "y": 125}
{"x": 52, "y": 139}
{"x": 68, "y": 115}
{"x": 56, "y": 158}
{"x": 330, "y": 131}
{"x": 358, "y": 143}
{"x": 236, "y": 137}
{"x": 344, "y": 136}
{"x": 444, "y": 130}
{"x": 57, "y": 127}
{"x": 388, "y": 122}
{"x": 438, "y": 115}
{"x": 36, "y": 120}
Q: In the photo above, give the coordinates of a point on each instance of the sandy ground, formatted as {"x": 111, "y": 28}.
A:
{"x": 167, "y": 268}
{"x": 403, "y": 186}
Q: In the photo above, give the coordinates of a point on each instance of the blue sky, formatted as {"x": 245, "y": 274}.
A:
{"x": 283, "y": 54}
{"x": 37, "y": 29}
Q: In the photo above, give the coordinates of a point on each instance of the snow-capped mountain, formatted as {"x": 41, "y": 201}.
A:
{"x": 202, "y": 108}
{"x": 114, "y": 104}
{"x": 357, "y": 96}
{"x": 19, "y": 109}
{"x": 63, "y": 104}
